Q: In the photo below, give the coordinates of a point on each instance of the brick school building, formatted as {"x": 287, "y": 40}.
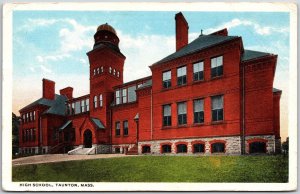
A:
{"x": 210, "y": 96}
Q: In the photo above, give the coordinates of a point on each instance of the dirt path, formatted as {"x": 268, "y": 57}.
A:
{"x": 60, "y": 157}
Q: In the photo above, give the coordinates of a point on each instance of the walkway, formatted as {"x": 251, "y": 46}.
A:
{"x": 38, "y": 159}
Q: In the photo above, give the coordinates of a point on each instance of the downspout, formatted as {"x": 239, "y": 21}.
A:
{"x": 151, "y": 124}
{"x": 243, "y": 116}
{"x": 41, "y": 135}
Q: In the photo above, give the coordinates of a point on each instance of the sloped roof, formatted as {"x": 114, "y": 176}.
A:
{"x": 202, "y": 42}
{"x": 249, "y": 54}
{"x": 56, "y": 106}
{"x": 276, "y": 90}
{"x": 65, "y": 125}
{"x": 98, "y": 123}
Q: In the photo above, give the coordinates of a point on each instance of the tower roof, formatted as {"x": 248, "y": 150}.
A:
{"x": 106, "y": 27}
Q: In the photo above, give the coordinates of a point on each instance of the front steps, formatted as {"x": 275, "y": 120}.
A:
{"x": 83, "y": 151}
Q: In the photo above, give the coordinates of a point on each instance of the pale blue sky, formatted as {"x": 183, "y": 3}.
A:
{"x": 53, "y": 44}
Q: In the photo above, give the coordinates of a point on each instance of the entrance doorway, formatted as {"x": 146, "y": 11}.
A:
{"x": 87, "y": 138}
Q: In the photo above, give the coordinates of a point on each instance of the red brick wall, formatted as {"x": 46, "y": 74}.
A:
{"x": 227, "y": 85}
{"x": 276, "y": 113}
{"x": 121, "y": 113}
{"x": 259, "y": 76}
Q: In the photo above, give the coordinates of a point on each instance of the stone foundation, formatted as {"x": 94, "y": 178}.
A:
{"x": 232, "y": 145}
{"x": 122, "y": 148}
{"x": 103, "y": 149}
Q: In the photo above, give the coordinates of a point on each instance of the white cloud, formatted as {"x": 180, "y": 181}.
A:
{"x": 259, "y": 29}
{"x": 142, "y": 51}
{"x": 45, "y": 70}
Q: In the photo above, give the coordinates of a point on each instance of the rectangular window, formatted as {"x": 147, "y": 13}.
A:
{"x": 82, "y": 106}
{"x": 181, "y": 76}
{"x": 125, "y": 127}
{"x": 95, "y": 101}
{"x": 199, "y": 111}
{"x": 73, "y": 108}
{"x": 124, "y": 95}
{"x": 77, "y": 107}
{"x": 87, "y": 104}
{"x": 181, "y": 108}
{"x": 167, "y": 79}
{"x": 217, "y": 66}
{"x": 30, "y": 116}
{"x": 34, "y": 115}
{"x": 117, "y": 128}
{"x": 217, "y": 108}
{"x": 101, "y": 100}
{"x": 198, "y": 71}
{"x": 131, "y": 94}
{"x": 167, "y": 115}
{"x": 118, "y": 97}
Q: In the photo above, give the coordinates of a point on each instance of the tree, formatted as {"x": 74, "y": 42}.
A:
{"x": 285, "y": 146}
{"x": 15, "y": 133}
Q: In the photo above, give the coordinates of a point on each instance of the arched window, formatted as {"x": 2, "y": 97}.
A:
{"x": 95, "y": 102}
{"x": 94, "y": 71}
{"x": 109, "y": 69}
{"x": 114, "y": 72}
{"x": 98, "y": 70}
{"x": 218, "y": 148}
{"x": 146, "y": 149}
{"x": 100, "y": 100}
{"x": 199, "y": 148}
{"x": 257, "y": 147}
{"x": 166, "y": 149}
{"x": 118, "y": 74}
{"x": 102, "y": 69}
{"x": 181, "y": 148}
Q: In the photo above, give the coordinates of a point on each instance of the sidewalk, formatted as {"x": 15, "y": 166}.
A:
{"x": 38, "y": 159}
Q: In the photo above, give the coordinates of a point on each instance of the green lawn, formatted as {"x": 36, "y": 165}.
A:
{"x": 160, "y": 169}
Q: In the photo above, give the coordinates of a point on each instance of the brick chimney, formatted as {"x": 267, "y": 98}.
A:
{"x": 68, "y": 92}
{"x": 48, "y": 89}
{"x": 182, "y": 31}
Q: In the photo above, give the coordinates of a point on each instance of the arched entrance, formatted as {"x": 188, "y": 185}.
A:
{"x": 87, "y": 141}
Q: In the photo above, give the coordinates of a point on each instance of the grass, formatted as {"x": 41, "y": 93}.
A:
{"x": 160, "y": 169}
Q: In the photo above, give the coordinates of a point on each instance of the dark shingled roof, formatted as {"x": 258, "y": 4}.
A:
{"x": 56, "y": 106}
{"x": 202, "y": 42}
{"x": 249, "y": 54}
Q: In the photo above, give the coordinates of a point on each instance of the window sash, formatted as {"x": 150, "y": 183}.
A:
{"x": 166, "y": 148}
{"x": 124, "y": 95}
{"x": 217, "y": 115}
{"x": 198, "y": 75}
{"x": 100, "y": 100}
{"x": 95, "y": 101}
{"x": 197, "y": 67}
{"x": 198, "y": 105}
{"x": 181, "y": 107}
{"x": 167, "y": 121}
{"x": 217, "y": 102}
{"x": 117, "y": 128}
{"x": 132, "y": 94}
{"x": 182, "y": 119}
{"x": 87, "y": 104}
{"x": 181, "y": 71}
{"x": 125, "y": 127}
{"x": 217, "y": 61}
{"x": 199, "y": 148}
{"x": 77, "y": 107}
{"x": 167, "y": 110}
{"x": 181, "y": 80}
{"x": 167, "y": 83}
{"x": 217, "y": 71}
{"x": 118, "y": 99}
{"x": 199, "y": 117}
{"x": 167, "y": 75}
{"x": 82, "y": 105}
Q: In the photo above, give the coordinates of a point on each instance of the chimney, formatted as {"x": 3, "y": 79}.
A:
{"x": 182, "y": 31}
{"x": 48, "y": 89}
{"x": 68, "y": 92}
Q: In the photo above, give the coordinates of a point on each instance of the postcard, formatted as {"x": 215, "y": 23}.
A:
{"x": 149, "y": 97}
